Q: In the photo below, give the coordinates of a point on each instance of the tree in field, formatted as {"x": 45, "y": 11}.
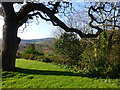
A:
{"x": 47, "y": 11}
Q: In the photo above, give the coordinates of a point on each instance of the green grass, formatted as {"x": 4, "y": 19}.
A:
{"x": 33, "y": 74}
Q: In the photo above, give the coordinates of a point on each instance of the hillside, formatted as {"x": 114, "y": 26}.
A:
{"x": 44, "y": 44}
{"x": 46, "y": 40}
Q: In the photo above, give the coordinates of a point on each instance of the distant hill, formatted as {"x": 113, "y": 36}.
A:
{"x": 47, "y": 40}
{"x": 39, "y": 43}
{"x": 44, "y": 44}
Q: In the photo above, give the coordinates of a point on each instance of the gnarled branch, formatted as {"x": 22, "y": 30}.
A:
{"x": 26, "y": 9}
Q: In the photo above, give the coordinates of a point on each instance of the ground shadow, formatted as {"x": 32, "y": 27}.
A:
{"x": 59, "y": 73}
{"x": 63, "y": 73}
{"x": 46, "y": 72}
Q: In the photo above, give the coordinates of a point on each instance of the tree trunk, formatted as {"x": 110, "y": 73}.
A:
{"x": 10, "y": 40}
{"x": 9, "y": 46}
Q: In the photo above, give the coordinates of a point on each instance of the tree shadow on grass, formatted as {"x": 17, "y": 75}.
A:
{"x": 46, "y": 72}
{"x": 62, "y": 73}
{"x": 58, "y": 73}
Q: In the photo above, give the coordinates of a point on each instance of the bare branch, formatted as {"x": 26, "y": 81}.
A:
{"x": 55, "y": 9}
{"x": 38, "y": 13}
{"x": 93, "y": 19}
{"x": 26, "y": 9}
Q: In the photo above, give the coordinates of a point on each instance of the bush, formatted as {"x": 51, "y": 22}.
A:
{"x": 69, "y": 49}
{"x": 46, "y": 59}
{"x": 102, "y": 55}
{"x": 31, "y": 53}
{"x": 96, "y": 56}
{"x": 19, "y": 55}
{"x": 31, "y": 50}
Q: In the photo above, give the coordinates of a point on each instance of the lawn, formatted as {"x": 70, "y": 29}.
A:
{"x": 33, "y": 74}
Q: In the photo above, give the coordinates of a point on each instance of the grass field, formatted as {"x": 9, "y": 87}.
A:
{"x": 33, "y": 74}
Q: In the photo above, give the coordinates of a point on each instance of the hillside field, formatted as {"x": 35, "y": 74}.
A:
{"x": 33, "y": 74}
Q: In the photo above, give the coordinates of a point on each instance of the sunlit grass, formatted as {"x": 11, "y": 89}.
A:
{"x": 33, "y": 74}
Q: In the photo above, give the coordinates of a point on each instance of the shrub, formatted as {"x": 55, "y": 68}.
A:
{"x": 19, "y": 55}
{"x": 31, "y": 53}
{"x": 46, "y": 59}
{"x": 69, "y": 49}
{"x": 102, "y": 55}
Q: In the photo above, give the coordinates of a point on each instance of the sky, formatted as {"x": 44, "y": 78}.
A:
{"x": 33, "y": 31}
{"x": 43, "y": 29}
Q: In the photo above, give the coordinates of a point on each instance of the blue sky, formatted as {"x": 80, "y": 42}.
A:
{"x": 33, "y": 31}
{"x": 46, "y": 29}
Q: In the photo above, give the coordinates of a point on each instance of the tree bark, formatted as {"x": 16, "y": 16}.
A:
{"x": 10, "y": 40}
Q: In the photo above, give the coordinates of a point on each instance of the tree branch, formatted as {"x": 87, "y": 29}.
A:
{"x": 93, "y": 19}
{"x": 38, "y": 13}
{"x": 26, "y": 9}
{"x": 55, "y": 8}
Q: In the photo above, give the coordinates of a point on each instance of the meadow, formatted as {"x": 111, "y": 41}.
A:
{"x": 34, "y": 74}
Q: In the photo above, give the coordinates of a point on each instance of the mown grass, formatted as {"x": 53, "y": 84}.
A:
{"x": 32, "y": 74}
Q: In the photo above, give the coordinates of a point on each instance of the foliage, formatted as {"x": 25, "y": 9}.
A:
{"x": 47, "y": 12}
{"x": 19, "y": 55}
{"x": 97, "y": 56}
{"x": 31, "y": 53}
{"x": 46, "y": 59}
{"x": 68, "y": 47}
{"x": 32, "y": 74}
